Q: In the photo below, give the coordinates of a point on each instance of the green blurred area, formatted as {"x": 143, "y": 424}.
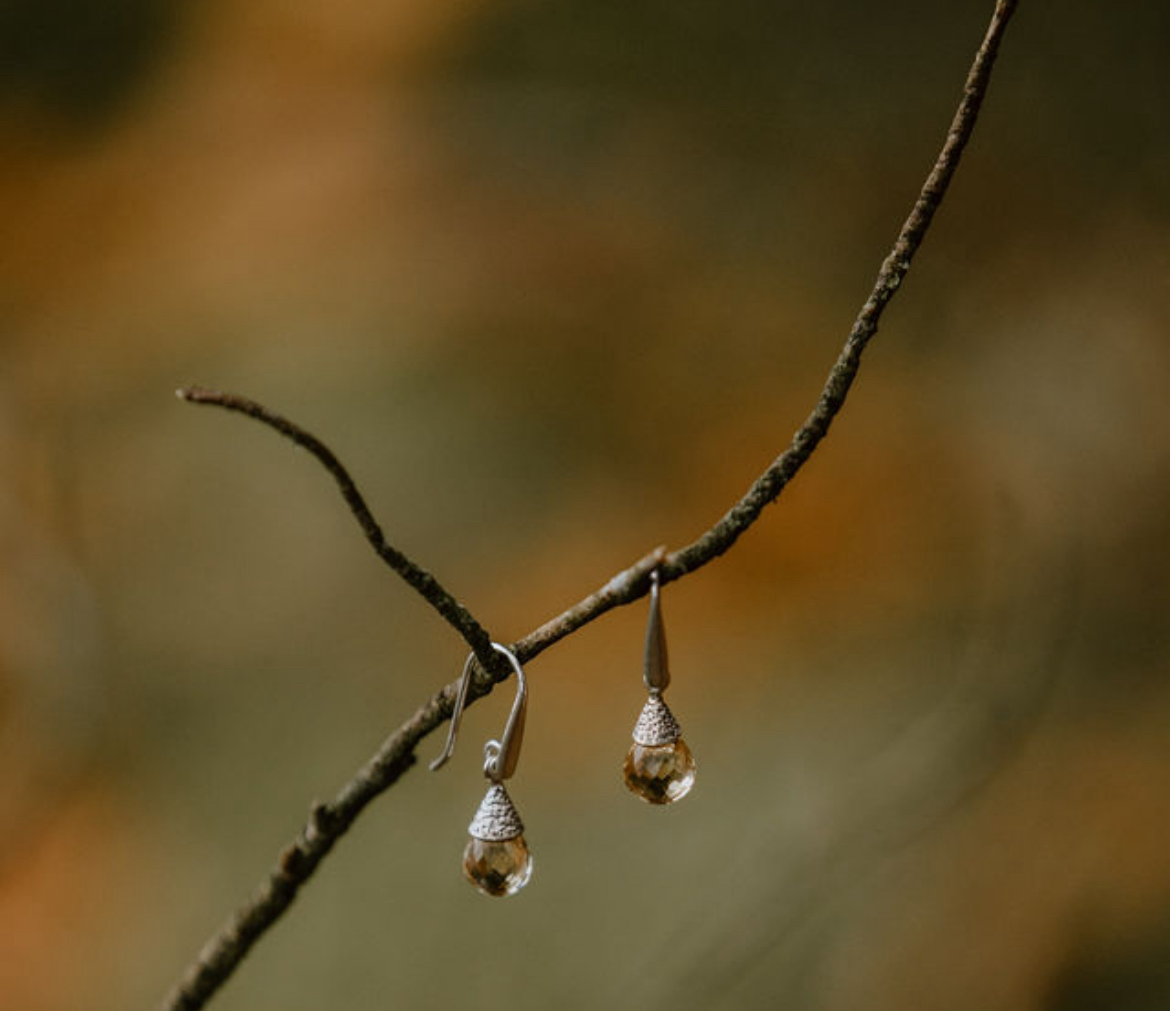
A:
{"x": 556, "y": 282}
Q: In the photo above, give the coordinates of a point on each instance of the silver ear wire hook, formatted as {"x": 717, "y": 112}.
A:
{"x": 500, "y": 757}
{"x": 656, "y": 673}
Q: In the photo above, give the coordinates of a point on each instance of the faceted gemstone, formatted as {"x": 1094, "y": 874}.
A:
{"x": 661, "y": 774}
{"x": 497, "y": 867}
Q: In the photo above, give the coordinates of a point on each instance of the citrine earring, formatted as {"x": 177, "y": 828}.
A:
{"x": 496, "y": 859}
{"x": 659, "y": 767}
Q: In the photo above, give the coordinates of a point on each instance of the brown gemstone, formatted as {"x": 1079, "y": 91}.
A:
{"x": 497, "y": 867}
{"x": 660, "y": 774}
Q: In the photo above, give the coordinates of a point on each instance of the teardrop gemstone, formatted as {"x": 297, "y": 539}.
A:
{"x": 660, "y": 774}
{"x": 497, "y": 866}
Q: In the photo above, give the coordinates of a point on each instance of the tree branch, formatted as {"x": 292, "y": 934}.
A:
{"x": 328, "y": 822}
{"x": 767, "y": 486}
{"x": 427, "y": 585}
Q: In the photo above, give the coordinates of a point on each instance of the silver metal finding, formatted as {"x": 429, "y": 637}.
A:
{"x": 656, "y": 725}
{"x": 500, "y": 757}
{"x": 657, "y": 669}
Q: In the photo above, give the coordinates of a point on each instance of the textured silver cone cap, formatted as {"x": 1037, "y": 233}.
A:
{"x": 497, "y": 818}
{"x": 657, "y": 725}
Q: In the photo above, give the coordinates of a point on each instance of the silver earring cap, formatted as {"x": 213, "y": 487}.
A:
{"x": 657, "y": 725}
{"x": 497, "y": 818}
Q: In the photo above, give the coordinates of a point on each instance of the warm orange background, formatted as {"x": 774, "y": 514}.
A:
{"x": 557, "y": 280}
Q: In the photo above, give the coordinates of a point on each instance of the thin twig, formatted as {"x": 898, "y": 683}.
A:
{"x": 767, "y": 486}
{"x": 327, "y": 822}
{"x": 427, "y": 585}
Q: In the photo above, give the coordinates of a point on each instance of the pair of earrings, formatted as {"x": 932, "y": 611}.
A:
{"x": 658, "y": 768}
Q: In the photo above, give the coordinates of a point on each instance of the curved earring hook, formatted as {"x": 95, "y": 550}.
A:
{"x": 500, "y": 757}
{"x": 656, "y": 672}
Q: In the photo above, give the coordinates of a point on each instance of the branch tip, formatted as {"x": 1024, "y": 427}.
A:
{"x": 425, "y": 584}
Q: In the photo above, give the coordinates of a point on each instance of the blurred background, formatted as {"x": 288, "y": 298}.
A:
{"x": 557, "y": 280}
